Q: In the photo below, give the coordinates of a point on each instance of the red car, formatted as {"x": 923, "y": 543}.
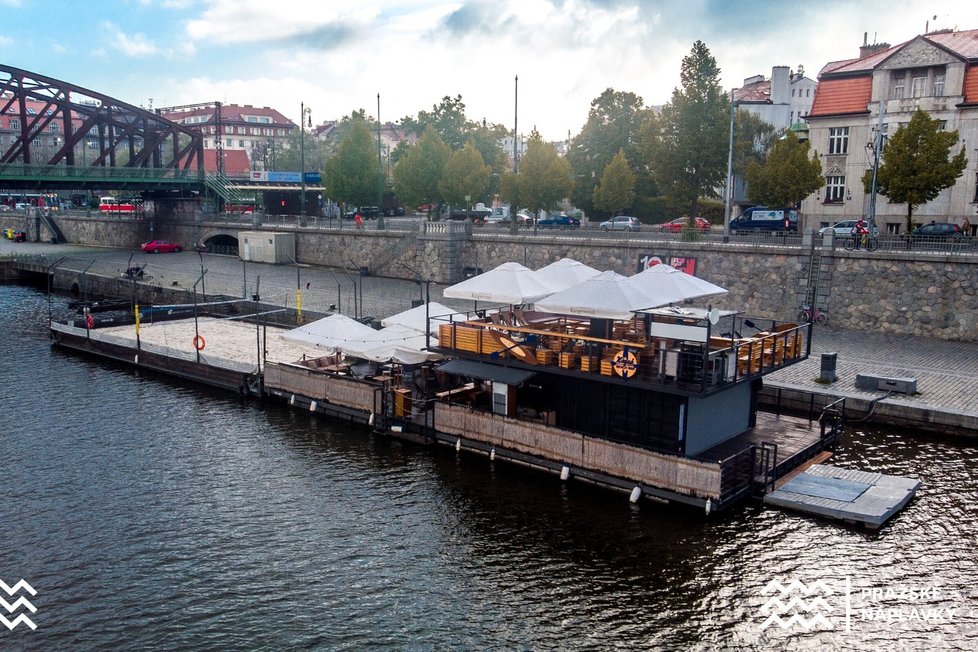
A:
{"x": 677, "y": 224}
{"x": 161, "y": 247}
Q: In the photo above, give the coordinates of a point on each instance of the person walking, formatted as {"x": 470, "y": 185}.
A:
{"x": 358, "y": 220}
{"x": 966, "y": 226}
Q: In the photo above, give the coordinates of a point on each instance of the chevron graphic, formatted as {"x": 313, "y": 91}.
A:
{"x": 17, "y": 587}
{"x": 797, "y": 585}
{"x": 19, "y": 602}
{"x": 795, "y": 604}
{"x": 16, "y": 621}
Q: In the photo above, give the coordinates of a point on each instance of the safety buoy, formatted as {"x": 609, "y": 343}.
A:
{"x": 90, "y": 321}
{"x": 199, "y": 342}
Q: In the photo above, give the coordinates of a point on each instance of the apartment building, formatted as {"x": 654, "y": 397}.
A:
{"x": 936, "y": 72}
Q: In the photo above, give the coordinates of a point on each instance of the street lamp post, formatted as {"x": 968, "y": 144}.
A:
{"x": 728, "y": 206}
{"x": 380, "y": 174}
{"x": 302, "y": 154}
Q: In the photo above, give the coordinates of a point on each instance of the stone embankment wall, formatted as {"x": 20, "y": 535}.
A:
{"x": 910, "y": 293}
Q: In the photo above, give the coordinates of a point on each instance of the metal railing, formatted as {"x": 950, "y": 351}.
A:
{"x": 29, "y": 171}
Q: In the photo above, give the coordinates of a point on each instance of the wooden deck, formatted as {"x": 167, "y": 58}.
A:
{"x": 792, "y": 435}
{"x": 852, "y": 496}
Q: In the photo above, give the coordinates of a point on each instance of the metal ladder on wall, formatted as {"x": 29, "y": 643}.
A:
{"x": 817, "y": 278}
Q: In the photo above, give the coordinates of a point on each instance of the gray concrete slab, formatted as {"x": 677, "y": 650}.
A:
{"x": 845, "y": 494}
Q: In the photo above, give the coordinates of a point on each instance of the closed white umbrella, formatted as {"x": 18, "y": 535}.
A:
{"x": 608, "y": 295}
{"x": 416, "y": 317}
{"x": 333, "y": 332}
{"x": 562, "y": 274}
{"x": 510, "y": 283}
{"x": 665, "y": 284}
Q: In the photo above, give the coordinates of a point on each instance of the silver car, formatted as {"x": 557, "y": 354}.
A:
{"x": 845, "y": 227}
{"x": 621, "y": 223}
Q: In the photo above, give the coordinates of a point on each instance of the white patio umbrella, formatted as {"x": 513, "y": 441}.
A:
{"x": 415, "y": 317}
{"x": 665, "y": 284}
{"x": 561, "y": 274}
{"x": 608, "y": 295}
{"x": 395, "y": 343}
{"x": 510, "y": 283}
{"x": 333, "y": 332}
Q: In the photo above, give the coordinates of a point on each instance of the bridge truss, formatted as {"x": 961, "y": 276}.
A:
{"x": 62, "y": 135}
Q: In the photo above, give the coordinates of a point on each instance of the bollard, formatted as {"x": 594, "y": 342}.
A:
{"x": 827, "y": 372}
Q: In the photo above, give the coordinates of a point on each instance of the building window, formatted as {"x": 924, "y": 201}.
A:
{"x": 939, "y": 84}
{"x": 241, "y": 144}
{"x": 15, "y": 123}
{"x": 838, "y": 140}
{"x": 899, "y": 84}
{"x": 808, "y": 92}
{"x": 835, "y": 189}
{"x": 54, "y": 127}
{"x": 917, "y": 85}
{"x": 792, "y": 92}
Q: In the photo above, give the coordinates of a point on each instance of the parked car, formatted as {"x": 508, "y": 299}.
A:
{"x": 678, "y": 224}
{"x": 524, "y": 219}
{"x": 5, "y": 208}
{"x": 845, "y": 227}
{"x": 19, "y": 236}
{"x": 161, "y": 247}
{"x": 938, "y": 232}
{"x": 559, "y": 222}
{"x": 621, "y": 223}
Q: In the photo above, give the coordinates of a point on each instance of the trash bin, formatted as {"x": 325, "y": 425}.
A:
{"x": 827, "y": 372}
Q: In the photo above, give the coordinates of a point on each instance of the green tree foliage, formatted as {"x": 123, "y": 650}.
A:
{"x": 689, "y": 147}
{"x": 617, "y": 189}
{"x": 419, "y": 170}
{"x": 351, "y": 175}
{"x": 465, "y": 175}
{"x": 450, "y": 123}
{"x": 752, "y": 140}
{"x": 787, "y": 176}
{"x": 614, "y": 123}
{"x": 544, "y": 178}
{"x": 916, "y": 164}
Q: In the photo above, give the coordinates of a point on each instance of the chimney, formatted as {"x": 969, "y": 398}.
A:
{"x": 866, "y": 49}
{"x": 780, "y": 85}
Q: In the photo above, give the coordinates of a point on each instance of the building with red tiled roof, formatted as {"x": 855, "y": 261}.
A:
{"x": 253, "y": 130}
{"x": 936, "y": 72}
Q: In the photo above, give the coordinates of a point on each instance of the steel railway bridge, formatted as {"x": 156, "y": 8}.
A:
{"x": 57, "y": 135}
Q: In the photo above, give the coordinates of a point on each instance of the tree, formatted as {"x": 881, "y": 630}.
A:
{"x": 544, "y": 178}
{"x": 351, "y": 175}
{"x": 465, "y": 176}
{"x": 417, "y": 174}
{"x": 614, "y": 123}
{"x": 689, "y": 148}
{"x": 916, "y": 164}
{"x": 617, "y": 189}
{"x": 752, "y": 140}
{"x": 787, "y": 176}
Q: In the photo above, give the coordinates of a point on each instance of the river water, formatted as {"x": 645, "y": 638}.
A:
{"x": 148, "y": 513}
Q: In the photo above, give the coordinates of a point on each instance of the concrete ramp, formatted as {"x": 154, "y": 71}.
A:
{"x": 852, "y": 496}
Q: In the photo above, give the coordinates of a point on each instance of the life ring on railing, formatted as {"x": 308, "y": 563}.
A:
{"x": 199, "y": 342}
{"x": 89, "y": 321}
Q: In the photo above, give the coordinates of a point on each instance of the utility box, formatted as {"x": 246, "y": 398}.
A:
{"x": 267, "y": 247}
{"x": 872, "y": 382}
{"x": 827, "y": 372}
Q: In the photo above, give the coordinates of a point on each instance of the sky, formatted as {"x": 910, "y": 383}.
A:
{"x": 336, "y": 56}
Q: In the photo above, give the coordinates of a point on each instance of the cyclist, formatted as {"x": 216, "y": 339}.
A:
{"x": 859, "y": 231}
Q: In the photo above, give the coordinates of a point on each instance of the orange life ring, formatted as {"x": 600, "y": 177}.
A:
{"x": 199, "y": 342}
{"x": 90, "y": 321}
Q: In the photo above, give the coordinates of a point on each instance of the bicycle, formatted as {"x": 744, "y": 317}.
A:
{"x": 866, "y": 241}
{"x": 811, "y": 314}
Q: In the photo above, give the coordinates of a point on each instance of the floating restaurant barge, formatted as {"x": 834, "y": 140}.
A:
{"x": 661, "y": 405}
